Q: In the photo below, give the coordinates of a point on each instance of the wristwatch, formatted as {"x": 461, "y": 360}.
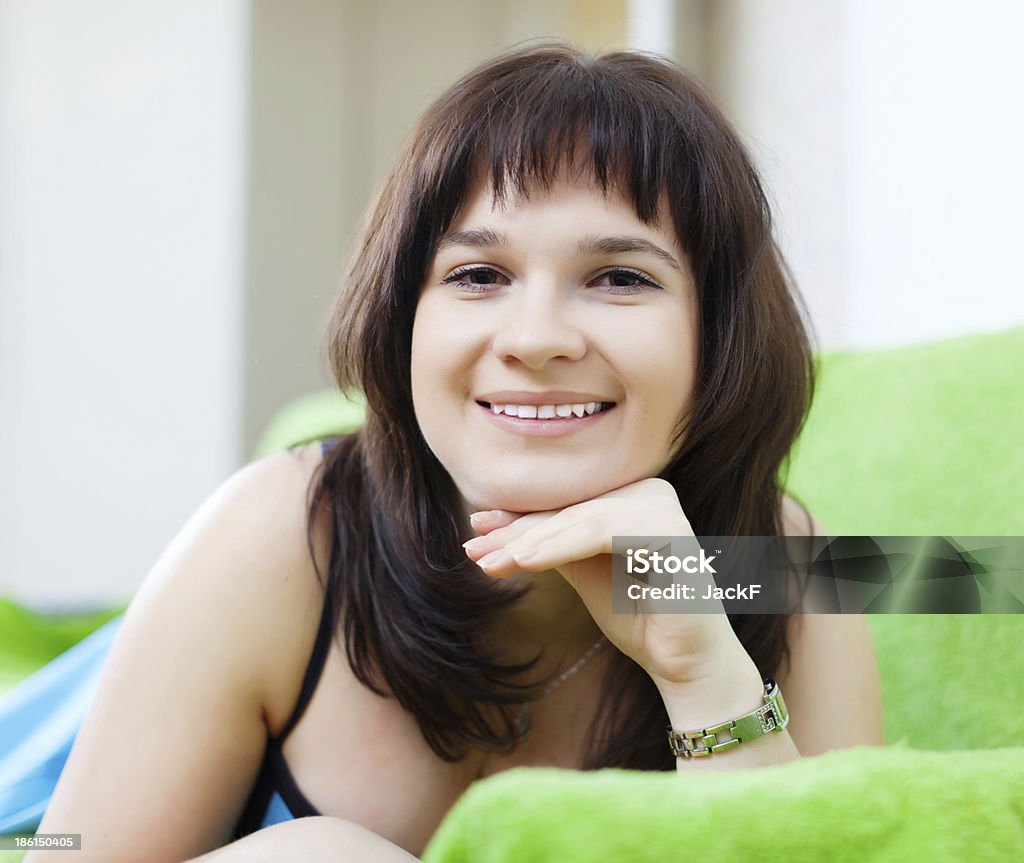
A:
{"x": 772, "y": 716}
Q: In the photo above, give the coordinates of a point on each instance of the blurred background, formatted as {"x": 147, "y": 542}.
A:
{"x": 180, "y": 183}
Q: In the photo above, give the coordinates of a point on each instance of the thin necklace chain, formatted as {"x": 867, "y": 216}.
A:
{"x": 572, "y": 669}
{"x": 523, "y": 718}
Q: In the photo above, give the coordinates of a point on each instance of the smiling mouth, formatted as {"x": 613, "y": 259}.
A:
{"x": 576, "y": 410}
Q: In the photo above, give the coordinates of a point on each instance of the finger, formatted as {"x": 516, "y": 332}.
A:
{"x": 499, "y": 564}
{"x": 501, "y": 536}
{"x": 633, "y": 517}
{"x": 560, "y": 521}
{"x": 578, "y": 541}
{"x": 491, "y": 519}
{"x": 618, "y": 518}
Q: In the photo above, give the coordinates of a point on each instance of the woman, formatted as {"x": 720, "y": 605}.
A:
{"x": 570, "y": 322}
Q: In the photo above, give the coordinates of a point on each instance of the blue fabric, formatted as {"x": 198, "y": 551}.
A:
{"x": 39, "y": 720}
{"x": 277, "y": 811}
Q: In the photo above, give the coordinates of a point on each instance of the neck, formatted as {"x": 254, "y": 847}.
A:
{"x": 550, "y": 619}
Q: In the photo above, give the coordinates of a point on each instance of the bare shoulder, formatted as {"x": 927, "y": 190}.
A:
{"x": 798, "y": 521}
{"x": 831, "y": 682}
{"x": 206, "y": 659}
{"x": 273, "y": 494}
{"x": 252, "y": 534}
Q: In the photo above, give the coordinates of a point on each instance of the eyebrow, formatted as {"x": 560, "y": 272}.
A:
{"x": 480, "y": 238}
{"x": 486, "y": 238}
{"x": 613, "y": 245}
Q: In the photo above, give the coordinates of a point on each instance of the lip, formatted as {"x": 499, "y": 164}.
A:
{"x": 544, "y": 428}
{"x": 551, "y": 397}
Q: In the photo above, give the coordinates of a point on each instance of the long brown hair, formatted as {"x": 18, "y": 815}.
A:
{"x": 411, "y": 606}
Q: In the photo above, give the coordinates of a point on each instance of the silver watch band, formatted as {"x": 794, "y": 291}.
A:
{"x": 773, "y": 716}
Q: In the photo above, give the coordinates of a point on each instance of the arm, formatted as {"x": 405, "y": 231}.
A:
{"x": 830, "y": 684}
{"x": 831, "y": 688}
{"x": 167, "y": 755}
{"x": 315, "y": 839}
{"x": 702, "y": 671}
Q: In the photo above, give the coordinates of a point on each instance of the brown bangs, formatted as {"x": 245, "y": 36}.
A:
{"x": 519, "y": 126}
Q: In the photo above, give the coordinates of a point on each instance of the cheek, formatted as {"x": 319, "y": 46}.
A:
{"x": 425, "y": 373}
{"x": 429, "y": 352}
{"x": 662, "y": 364}
{"x": 665, "y": 377}
{"x": 448, "y": 341}
{"x": 442, "y": 355}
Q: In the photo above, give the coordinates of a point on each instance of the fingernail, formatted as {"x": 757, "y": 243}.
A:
{"x": 495, "y": 559}
{"x": 482, "y": 517}
{"x": 475, "y": 544}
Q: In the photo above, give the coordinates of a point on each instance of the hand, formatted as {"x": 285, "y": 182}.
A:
{"x": 675, "y": 649}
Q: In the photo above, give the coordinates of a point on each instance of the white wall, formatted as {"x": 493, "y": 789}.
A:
{"x": 121, "y": 206}
{"x": 889, "y": 134}
{"x": 179, "y": 182}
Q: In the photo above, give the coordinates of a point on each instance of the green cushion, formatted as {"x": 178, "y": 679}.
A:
{"x": 29, "y": 640}
{"x": 311, "y": 417}
{"x": 924, "y": 440}
{"x": 951, "y": 681}
{"x": 927, "y": 440}
{"x": 891, "y": 805}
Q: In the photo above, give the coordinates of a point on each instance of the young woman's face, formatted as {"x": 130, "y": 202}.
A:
{"x": 545, "y": 308}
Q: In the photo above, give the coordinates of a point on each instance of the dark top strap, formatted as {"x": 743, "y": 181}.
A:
{"x": 313, "y": 671}
{"x": 275, "y": 776}
{"x": 321, "y": 648}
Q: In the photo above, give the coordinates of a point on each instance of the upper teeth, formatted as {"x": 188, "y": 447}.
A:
{"x": 546, "y": 411}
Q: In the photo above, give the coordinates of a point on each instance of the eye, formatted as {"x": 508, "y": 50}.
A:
{"x": 475, "y": 280}
{"x": 623, "y": 281}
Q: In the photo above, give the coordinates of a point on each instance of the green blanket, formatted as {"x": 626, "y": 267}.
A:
{"x": 29, "y": 640}
{"x": 924, "y": 440}
{"x": 884, "y": 805}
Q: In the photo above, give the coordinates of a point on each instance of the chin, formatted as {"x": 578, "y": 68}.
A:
{"x": 532, "y": 497}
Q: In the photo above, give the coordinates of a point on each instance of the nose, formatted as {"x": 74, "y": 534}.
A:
{"x": 539, "y": 327}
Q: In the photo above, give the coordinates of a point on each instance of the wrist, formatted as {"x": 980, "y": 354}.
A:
{"x": 722, "y": 692}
